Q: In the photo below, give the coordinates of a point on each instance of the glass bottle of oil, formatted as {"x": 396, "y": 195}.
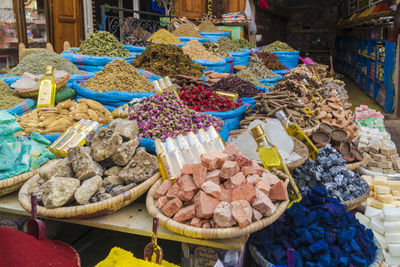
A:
{"x": 47, "y": 89}
{"x": 67, "y": 136}
{"x": 164, "y": 163}
{"x": 185, "y": 149}
{"x": 293, "y": 129}
{"x": 157, "y": 88}
{"x": 271, "y": 158}
{"x": 175, "y": 157}
{"x": 170, "y": 86}
{"x": 80, "y": 138}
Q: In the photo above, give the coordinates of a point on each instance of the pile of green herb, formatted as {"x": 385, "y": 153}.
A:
{"x": 35, "y": 63}
{"x": 165, "y": 37}
{"x": 279, "y": 46}
{"x": 243, "y": 43}
{"x": 249, "y": 76}
{"x": 215, "y": 49}
{"x": 186, "y": 30}
{"x": 167, "y": 60}
{"x": 8, "y": 98}
{"x": 100, "y": 44}
{"x": 256, "y": 66}
{"x": 226, "y": 44}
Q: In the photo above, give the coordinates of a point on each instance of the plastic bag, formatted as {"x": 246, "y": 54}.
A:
{"x": 241, "y": 58}
{"x": 289, "y": 59}
{"x": 218, "y": 66}
{"x": 229, "y": 65}
{"x": 84, "y": 60}
{"x": 213, "y": 37}
{"x": 231, "y": 118}
{"x": 185, "y": 40}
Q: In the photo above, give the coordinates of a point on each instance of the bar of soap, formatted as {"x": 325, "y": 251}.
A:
{"x": 394, "y": 185}
{"x": 377, "y": 225}
{"x": 380, "y": 180}
{"x": 387, "y": 199}
{"x": 377, "y": 204}
{"x": 392, "y": 238}
{"x": 391, "y": 227}
{"x": 395, "y": 193}
{"x": 394, "y": 250}
{"x": 382, "y": 190}
{"x": 381, "y": 239}
{"x": 391, "y": 214}
{"x": 363, "y": 219}
{"x": 371, "y": 211}
{"x": 391, "y": 260}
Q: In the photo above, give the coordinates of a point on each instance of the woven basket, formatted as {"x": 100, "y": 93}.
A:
{"x": 355, "y": 165}
{"x": 12, "y": 184}
{"x": 354, "y": 203}
{"x": 262, "y": 262}
{"x": 209, "y": 233}
{"x": 310, "y": 131}
{"x": 89, "y": 210}
{"x": 301, "y": 150}
{"x": 34, "y": 92}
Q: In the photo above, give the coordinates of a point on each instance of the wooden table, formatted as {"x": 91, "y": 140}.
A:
{"x": 133, "y": 219}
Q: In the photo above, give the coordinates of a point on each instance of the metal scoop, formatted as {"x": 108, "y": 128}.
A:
{"x": 152, "y": 251}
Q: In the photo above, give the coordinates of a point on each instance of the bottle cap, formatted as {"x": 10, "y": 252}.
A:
{"x": 281, "y": 115}
{"x": 49, "y": 70}
{"x": 257, "y": 131}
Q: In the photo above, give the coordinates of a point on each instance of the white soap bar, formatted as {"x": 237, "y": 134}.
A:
{"x": 391, "y": 214}
{"x": 377, "y": 225}
{"x": 391, "y": 227}
{"x": 381, "y": 239}
{"x": 394, "y": 250}
{"x": 391, "y": 260}
{"x": 392, "y": 238}
{"x": 364, "y": 220}
{"x": 371, "y": 211}
{"x": 382, "y": 190}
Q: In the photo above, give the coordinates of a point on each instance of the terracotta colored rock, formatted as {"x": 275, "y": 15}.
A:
{"x": 221, "y": 158}
{"x": 196, "y": 222}
{"x": 229, "y": 169}
{"x": 263, "y": 204}
{"x": 187, "y": 169}
{"x": 172, "y": 207}
{"x": 242, "y": 212}
{"x": 186, "y": 183}
{"x": 199, "y": 174}
{"x": 263, "y": 186}
{"x": 253, "y": 179}
{"x": 256, "y": 215}
{"x": 173, "y": 191}
{"x": 278, "y": 191}
{"x": 223, "y": 215}
{"x": 205, "y": 205}
{"x": 162, "y": 189}
{"x": 209, "y": 160}
{"x": 206, "y": 225}
{"x": 185, "y": 195}
{"x": 237, "y": 194}
{"x": 232, "y": 151}
{"x": 185, "y": 213}
{"x": 226, "y": 195}
{"x": 248, "y": 170}
{"x": 243, "y": 161}
{"x": 211, "y": 188}
{"x": 228, "y": 185}
{"x": 260, "y": 170}
{"x": 249, "y": 192}
{"x": 161, "y": 202}
{"x": 213, "y": 176}
{"x": 238, "y": 179}
{"x": 271, "y": 178}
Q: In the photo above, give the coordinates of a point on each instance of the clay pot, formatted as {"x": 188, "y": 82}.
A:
{"x": 326, "y": 127}
{"x": 339, "y": 135}
{"x": 357, "y": 154}
{"x": 345, "y": 149}
{"x": 321, "y": 137}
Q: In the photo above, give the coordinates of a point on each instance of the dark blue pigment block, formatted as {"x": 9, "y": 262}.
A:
{"x": 356, "y": 261}
{"x": 324, "y": 259}
{"x": 344, "y": 261}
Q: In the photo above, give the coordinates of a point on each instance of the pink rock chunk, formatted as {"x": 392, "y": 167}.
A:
{"x": 253, "y": 179}
{"x": 242, "y": 212}
{"x": 271, "y": 178}
{"x": 226, "y": 195}
{"x": 205, "y": 205}
{"x": 238, "y": 179}
{"x": 278, "y": 191}
{"x": 206, "y": 225}
{"x": 232, "y": 151}
{"x": 221, "y": 158}
{"x": 249, "y": 192}
{"x": 187, "y": 169}
{"x": 162, "y": 189}
{"x": 196, "y": 222}
{"x": 209, "y": 160}
{"x": 186, "y": 183}
{"x": 172, "y": 207}
{"x": 213, "y": 176}
{"x": 185, "y": 195}
{"x": 199, "y": 174}
{"x": 229, "y": 169}
{"x": 243, "y": 161}
{"x": 173, "y": 191}
{"x": 161, "y": 202}
{"x": 256, "y": 215}
{"x": 223, "y": 215}
{"x": 211, "y": 189}
{"x": 263, "y": 186}
{"x": 248, "y": 170}
{"x": 229, "y": 186}
{"x": 185, "y": 213}
{"x": 263, "y": 204}
{"x": 237, "y": 194}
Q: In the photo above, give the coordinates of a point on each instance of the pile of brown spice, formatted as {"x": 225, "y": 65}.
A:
{"x": 207, "y": 26}
{"x": 167, "y": 60}
{"x": 196, "y": 51}
{"x": 186, "y": 30}
{"x": 8, "y": 98}
{"x": 119, "y": 75}
{"x": 271, "y": 61}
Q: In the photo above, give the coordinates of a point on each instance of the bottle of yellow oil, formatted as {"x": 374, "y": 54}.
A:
{"x": 47, "y": 89}
{"x": 271, "y": 158}
{"x": 293, "y": 129}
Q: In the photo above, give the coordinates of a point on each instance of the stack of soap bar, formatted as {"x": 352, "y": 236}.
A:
{"x": 385, "y": 225}
{"x": 364, "y": 111}
{"x": 384, "y": 193}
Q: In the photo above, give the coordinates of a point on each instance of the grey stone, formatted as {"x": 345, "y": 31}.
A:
{"x": 113, "y": 171}
{"x": 59, "y": 168}
{"x": 113, "y": 180}
{"x": 141, "y": 167}
{"x": 127, "y": 129}
{"x": 119, "y": 189}
{"x": 83, "y": 164}
{"x": 103, "y": 196}
{"x": 105, "y": 142}
{"x": 58, "y": 191}
{"x": 88, "y": 188}
{"x": 125, "y": 152}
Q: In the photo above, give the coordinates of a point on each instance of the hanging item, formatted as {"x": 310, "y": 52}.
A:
{"x": 263, "y": 4}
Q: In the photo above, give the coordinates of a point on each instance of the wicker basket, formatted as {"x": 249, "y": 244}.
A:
{"x": 89, "y": 210}
{"x": 301, "y": 150}
{"x": 354, "y": 203}
{"x": 355, "y": 165}
{"x": 12, "y": 184}
{"x": 209, "y": 233}
{"x": 261, "y": 261}
{"x": 34, "y": 92}
{"x": 310, "y": 131}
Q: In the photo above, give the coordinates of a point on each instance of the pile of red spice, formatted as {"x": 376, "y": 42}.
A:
{"x": 19, "y": 249}
{"x": 201, "y": 98}
{"x": 381, "y": 7}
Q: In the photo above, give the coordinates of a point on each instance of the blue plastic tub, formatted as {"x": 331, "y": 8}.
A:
{"x": 213, "y": 37}
{"x": 218, "y": 66}
{"x": 288, "y": 58}
{"x": 186, "y": 40}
